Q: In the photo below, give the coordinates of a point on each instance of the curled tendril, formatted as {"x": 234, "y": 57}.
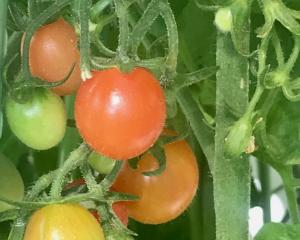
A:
{"x": 276, "y": 10}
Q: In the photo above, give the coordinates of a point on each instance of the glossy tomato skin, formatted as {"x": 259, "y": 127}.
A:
{"x": 166, "y": 196}
{"x": 53, "y": 51}
{"x": 12, "y": 186}
{"x": 63, "y": 222}
{"x": 120, "y": 115}
{"x": 40, "y": 123}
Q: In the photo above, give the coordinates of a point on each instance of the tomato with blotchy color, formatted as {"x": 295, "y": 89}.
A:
{"x": 63, "y": 222}
{"x": 120, "y": 115}
{"x": 52, "y": 53}
{"x": 12, "y": 186}
{"x": 165, "y": 196}
{"x": 40, "y": 122}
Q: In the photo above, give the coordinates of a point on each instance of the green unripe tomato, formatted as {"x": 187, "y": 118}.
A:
{"x": 12, "y": 186}
{"x": 223, "y": 19}
{"x": 40, "y": 122}
{"x": 101, "y": 163}
{"x": 239, "y": 137}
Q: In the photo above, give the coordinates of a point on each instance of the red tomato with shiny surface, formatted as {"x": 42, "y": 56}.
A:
{"x": 120, "y": 115}
{"x": 166, "y": 196}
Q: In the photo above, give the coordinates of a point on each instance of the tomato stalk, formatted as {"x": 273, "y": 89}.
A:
{"x": 121, "y": 11}
{"x": 167, "y": 14}
{"x": 287, "y": 176}
{"x": 3, "y": 19}
{"x": 84, "y": 14}
{"x": 232, "y": 186}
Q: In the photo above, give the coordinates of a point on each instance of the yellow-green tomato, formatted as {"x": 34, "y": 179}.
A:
{"x": 63, "y": 222}
{"x": 40, "y": 122}
{"x": 100, "y": 163}
{"x": 12, "y": 186}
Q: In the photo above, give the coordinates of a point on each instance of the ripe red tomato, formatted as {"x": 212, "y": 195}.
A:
{"x": 120, "y": 115}
{"x": 53, "y": 51}
{"x": 63, "y": 221}
{"x": 166, "y": 196}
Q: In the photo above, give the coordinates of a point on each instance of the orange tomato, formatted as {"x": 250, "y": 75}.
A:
{"x": 63, "y": 221}
{"x": 53, "y": 51}
{"x": 120, "y": 115}
{"x": 163, "y": 197}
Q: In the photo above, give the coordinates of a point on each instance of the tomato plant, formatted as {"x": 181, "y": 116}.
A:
{"x": 12, "y": 186}
{"x": 166, "y": 196}
{"x": 40, "y": 122}
{"x": 65, "y": 221}
{"x": 127, "y": 112}
{"x": 222, "y": 74}
{"x": 53, "y": 52}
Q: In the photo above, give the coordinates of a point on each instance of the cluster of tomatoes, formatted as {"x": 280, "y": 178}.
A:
{"x": 119, "y": 115}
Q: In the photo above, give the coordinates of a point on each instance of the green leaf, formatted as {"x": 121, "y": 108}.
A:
{"x": 279, "y": 231}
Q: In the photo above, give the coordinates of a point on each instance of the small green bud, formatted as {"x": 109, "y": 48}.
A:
{"x": 239, "y": 137}
{"x": 275, "y": 79}
{"x": 100, "y": 163}
{"x": 223, "y": 19}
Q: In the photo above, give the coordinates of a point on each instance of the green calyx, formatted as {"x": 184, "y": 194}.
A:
{"x": 276, "y": 79}
{"x": 239, "y": 137}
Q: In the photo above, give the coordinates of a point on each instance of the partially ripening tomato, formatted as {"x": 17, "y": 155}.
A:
{"x": 63, "y": 222}
{"x": 163, "y": 197}
{"x": 40, "y": 123}
{"x": 53, "y": 51}
{"x": 12, "y": 186}
{"x": 120, "y": 115}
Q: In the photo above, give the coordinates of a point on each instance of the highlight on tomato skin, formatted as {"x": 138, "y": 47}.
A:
{"x": 163, "y": 197}
{"x": 120, "y": 115}
{"x": 63, "y": 221}
{"x": 53, "y": 52}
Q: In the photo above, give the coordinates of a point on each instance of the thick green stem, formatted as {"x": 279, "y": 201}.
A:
{"x": 287, "y": 178}
{"x": 231, "y": 176}
{"x": 264, "y": 173}
{"x": 84, "y": 10}
{"x": 167, "y": 14}
{"x": 121, "y": 11}
{"x": 3, "y": 19}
